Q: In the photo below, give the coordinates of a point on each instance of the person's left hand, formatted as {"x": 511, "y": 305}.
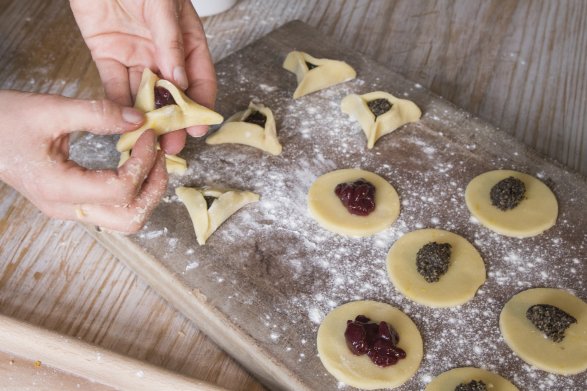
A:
{"x": 127, "y": 36}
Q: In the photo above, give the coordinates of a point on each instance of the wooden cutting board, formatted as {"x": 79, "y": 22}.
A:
{"x": 264, "y": 281}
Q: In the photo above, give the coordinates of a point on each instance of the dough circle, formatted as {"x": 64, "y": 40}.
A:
{"x": 465, "y": 274}
{"x": 449, "y": 380}
{"x": 359, "y": 371}
{"x": 566, "y": 357}
{"x": 536, "y": 213}
{"x": 327, "y": 209}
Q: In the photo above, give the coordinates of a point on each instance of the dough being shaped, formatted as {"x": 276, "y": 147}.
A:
{"x": 207, "y": 220}
{"x": 359, "y": 371}
{"x": 566, "y": 357}
{"x": 536, "y": 213}
{"x": 327, "y": 209}
{"x": 236, "y": 130}
{"x": 402, "y": 111}
{"x": 173, "y": 163}
{"x": 465, "y": 274}
{"x": 169, "y": 118}
{"x": 449, "y": 380}
{"x": 314, "y": 74}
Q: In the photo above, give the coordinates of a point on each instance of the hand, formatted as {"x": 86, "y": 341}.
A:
{"x": 34, "y": 159}
{"x": 126, "y": 36}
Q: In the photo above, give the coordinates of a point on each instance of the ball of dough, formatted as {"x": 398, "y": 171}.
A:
{"x": 359, "y": 371}
{"x": 327, "y": 209}
{"x": 465, "y": 274}
{"x": 566, "y": 357}
{"x": 536, "y": 213}
{"x": 449, "y": 380}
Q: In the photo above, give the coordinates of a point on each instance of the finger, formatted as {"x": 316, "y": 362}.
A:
{"x": 115, "y": 80}
{"x": 162, "y": 17}
{"x": 135, "y": 74}
{"x": 68, "y": 182}
{"x": 172, "y": 143}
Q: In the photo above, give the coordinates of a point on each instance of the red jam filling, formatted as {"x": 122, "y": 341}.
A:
{"x": 358, "y": 197}
{"x": 163, "y": 97}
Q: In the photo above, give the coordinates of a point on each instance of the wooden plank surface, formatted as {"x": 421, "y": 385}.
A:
{"x": 519, "y": 64}
{"x": 263, "y": 282}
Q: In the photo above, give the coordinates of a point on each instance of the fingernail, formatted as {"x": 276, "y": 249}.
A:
{"x": 180, "y": 77}
{"x": 132, "y": 116}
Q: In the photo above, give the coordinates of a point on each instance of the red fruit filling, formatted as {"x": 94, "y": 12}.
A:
{"x": 358, "y": 197}
{"x": 378, "y": 341}
{"x": 163, "y": 97}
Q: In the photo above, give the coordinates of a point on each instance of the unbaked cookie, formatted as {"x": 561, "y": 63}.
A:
{"x": 314, "y": 74}
{"x": 567, "y": 357}
{"x": 450, "y": 380}
{"x": 254, "y": 127}
{"x": 454, "y": 278}
{"x": 329, "y": 211}
{"x": 360, "y": 371}
{"x": 173, "y": 163}
{"x": 501, "y": 204}
{"x": 379, "y": 113}
{"x": 174, "y": 110}
{"x": 207, "y": 219}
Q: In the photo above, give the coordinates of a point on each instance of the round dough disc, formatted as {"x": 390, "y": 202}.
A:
{"x": 466, "y": 271}
{"x": 566, "y": 357}
{"x": 536, "y": 213}
{"x": 327, "y": 209}
{"x": 449, "y": 380}
{"x": 359, "y": 371}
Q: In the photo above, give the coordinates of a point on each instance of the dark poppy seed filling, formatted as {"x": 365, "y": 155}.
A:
{"x": 358, "y": 197}
{"x": 256, "y": 118}
{"x": 473, "y": 385}
{"x": 163, "y": 97}
{"x": 209, "y": 201}
{"x": 507, "y": 193}
{"x": 310, "y": 65}
{"x": 551, "y": 320}
{"x": 432, "y": 260}
{"x": 379, "y": 106}
{"x": 377, "y": 340}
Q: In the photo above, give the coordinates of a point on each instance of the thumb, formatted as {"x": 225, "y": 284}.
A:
{"x": 163, "y": 17}
{"x": 96, "y": 116}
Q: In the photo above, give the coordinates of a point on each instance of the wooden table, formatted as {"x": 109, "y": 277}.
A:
{"x": 518, "y": 64}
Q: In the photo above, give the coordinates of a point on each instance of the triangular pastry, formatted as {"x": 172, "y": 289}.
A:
{"x": 379, "y": 113}
{"x": 315, "y": 74}
{"x": 174, "y": 110}
{"x": 254, "y": 127}
{"x": 207, "y": 220}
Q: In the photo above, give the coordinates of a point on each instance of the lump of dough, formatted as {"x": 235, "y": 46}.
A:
{"x": 566, "y": 357}
{"x": 378, "y": 118}
{"x": 535, "y": 213}
{"x": 327, "y": 209}
{"x": 314, "y": 74}
{"x": 465, "y": 274}
{"x": 184, "y": 113}
{"x": 207, "y": 220}
{"x": 359, "y": 371}
{"x": 240, "y": 129}
{"x": 450, "y": 380}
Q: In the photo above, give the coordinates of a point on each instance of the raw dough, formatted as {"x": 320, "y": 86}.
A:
{"x": 235, "y": 130}
{"x": 402, "y": 112}
{"x": 327, "y": 209}
{"x": 207, "y": 220}
{"x": 326, "y": 73}
{"x": 566, "y": 357}
{"x": 466, "y": 271}
{"x": 167, "y": 118}
{"x": 534, "y": 215}
{"x": 359, "y": 371}
{"x": 173, "y": 163}
{"x": 449, "y": 380}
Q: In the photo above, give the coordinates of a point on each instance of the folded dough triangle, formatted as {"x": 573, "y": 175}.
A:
{"x": 239, "y": 129}
{"x": 315, "y": 74}
{"x": 399, "y": 112}
{"x": 207, "y": 220}
{"x": 168, "y": 118}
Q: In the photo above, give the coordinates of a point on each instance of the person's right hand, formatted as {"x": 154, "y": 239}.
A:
{"x": 34, "y": 159}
